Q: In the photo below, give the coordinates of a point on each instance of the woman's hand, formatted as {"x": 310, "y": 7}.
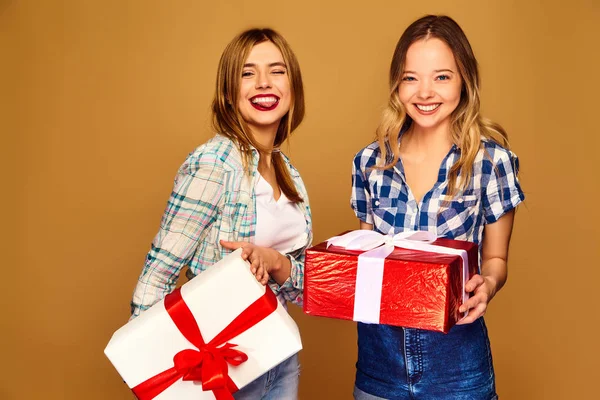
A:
{"x": 483, "y": 289}
{"x": 264, "y": 261}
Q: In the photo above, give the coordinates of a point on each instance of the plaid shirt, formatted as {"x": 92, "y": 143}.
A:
{"x": 212, "y": 199}
{"x": 382, "y": 197}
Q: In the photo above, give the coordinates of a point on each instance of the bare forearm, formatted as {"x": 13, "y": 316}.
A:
{"x": 495, "y": 271}
{"x": 495, "y": 252}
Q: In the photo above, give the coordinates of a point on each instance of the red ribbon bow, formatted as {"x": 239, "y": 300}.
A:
{"x": 207, "y": 364}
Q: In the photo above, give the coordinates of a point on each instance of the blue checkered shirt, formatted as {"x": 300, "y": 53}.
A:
{"x": 382, "y": 197}
{"x": 212, "y": 199}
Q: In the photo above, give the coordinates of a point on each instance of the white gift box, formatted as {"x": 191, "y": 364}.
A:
{"x": 146, "y": 345}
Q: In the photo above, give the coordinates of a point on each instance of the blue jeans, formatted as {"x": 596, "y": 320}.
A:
{"x": 360, "y": 395}
{"x": 401, "y": 363}
{"x": 281, "y": 382}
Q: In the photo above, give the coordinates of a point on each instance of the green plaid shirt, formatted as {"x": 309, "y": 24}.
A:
{"x": 212, "y": 199}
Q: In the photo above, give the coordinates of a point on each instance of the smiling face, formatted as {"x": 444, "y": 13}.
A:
{"x": 430, "y": 85}
{"x": 265, "y": 94}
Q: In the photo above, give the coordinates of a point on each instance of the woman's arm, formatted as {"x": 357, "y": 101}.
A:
{"x": 192, "y": 207}
{"x": 494, "y": 257}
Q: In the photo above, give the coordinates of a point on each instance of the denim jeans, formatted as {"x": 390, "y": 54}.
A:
{"x": 401, "y": 363}
{"x": 279, "y": 383}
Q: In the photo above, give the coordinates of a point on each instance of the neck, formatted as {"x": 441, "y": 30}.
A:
{"x": 428, "y": 140}
{"x": 265, "y": 137}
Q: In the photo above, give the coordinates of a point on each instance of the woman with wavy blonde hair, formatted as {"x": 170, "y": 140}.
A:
{"x": 437, "y": 165}
{"x": 239, "y": 190}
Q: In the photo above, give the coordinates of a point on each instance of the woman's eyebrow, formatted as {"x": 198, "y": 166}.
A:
{"x": 435, "y": 70}
{"x": 274, "y": 64}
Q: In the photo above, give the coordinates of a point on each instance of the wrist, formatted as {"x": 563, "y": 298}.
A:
{"x": 283, "y": 261}
{"x": 492, "y": 283}
{"x": 277, "y": 266}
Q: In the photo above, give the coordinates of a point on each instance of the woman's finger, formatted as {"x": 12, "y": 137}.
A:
{"x": 467, "y": 305}
{"x": 477, "y": 311}
{"x": 232, "y": 245}
{"x": 254, "y": 266}
{"x": 265, "y": 276}
{"x": 474, "y": 301}
{"x": 474, "y": 314}
{"x": 473, "y": 283}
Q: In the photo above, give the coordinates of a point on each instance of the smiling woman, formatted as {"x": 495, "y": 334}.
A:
{"x": 265, "y": 89}
{"x": 249, "y": 67}
{"x": 228, "y": 190}
{"x": 431, "y": 84}
{"x": 437, "y": 166}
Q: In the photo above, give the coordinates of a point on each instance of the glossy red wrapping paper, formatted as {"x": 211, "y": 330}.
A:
{"x": 420, "y": 289}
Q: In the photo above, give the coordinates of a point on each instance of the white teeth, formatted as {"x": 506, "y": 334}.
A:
{"x": 430, "y": 107}
{"x": 269, "y": 99}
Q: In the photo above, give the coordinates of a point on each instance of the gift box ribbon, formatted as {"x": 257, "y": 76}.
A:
{"x": 208, "y": 362}
{"x": 369, "y": 274}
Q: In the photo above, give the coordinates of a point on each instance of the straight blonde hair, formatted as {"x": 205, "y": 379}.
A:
{"x": 226, "y": 117}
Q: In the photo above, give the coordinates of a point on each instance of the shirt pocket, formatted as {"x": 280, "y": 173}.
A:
{"x": 236, "y": 216}
{"x": 457, "y": 215}
{"x": 385, "y": 211}
{"x": 234, "y": 209}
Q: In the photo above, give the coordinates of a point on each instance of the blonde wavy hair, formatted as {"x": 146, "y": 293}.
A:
{"x": 226, "y": 117}
{"x": 467, "y": 126}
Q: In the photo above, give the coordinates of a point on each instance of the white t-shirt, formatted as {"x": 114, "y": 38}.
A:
{"x": 280, "y": 224}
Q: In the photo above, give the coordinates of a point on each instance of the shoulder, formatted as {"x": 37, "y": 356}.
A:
{"x": 218, "y": 153}
{"x": 495, "y": 160}
{"x": 367, "y": 156}
{"x": 493, "y": 155}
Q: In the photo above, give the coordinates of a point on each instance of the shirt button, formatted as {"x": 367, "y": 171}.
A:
{"x": 376, "y": 202}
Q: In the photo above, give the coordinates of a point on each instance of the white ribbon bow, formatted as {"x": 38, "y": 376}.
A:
{"x": 369, "y": 275}
{"x": 367, "y": 240}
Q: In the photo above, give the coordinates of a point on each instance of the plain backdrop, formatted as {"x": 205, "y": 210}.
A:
{"x": 101, "y": 101}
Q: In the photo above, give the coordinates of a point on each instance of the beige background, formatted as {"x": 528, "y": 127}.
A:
{"x": 102, "y": 100}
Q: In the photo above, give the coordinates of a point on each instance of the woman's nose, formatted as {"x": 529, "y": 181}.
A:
{"x": 425, "y": 90}
{"x": 263, "y": 81}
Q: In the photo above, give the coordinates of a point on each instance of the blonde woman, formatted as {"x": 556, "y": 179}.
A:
{"x": 437, "y": 165}
{"x": 239, "y": 190}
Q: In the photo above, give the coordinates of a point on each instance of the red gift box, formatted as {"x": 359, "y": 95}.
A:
{"x": 415, "y": 288}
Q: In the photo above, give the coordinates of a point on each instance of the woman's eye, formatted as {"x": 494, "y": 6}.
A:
{"x": 408, "y": 78}
{"x": 443, "y": 77}
{"x": 279, "y": 72}
{"x": 246, "y": 74}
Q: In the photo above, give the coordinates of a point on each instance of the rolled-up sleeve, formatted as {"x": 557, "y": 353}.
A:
{"x": 360, "y": 199}
{"x": 292, "y": 288}
{"x": 503, "y": 191}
